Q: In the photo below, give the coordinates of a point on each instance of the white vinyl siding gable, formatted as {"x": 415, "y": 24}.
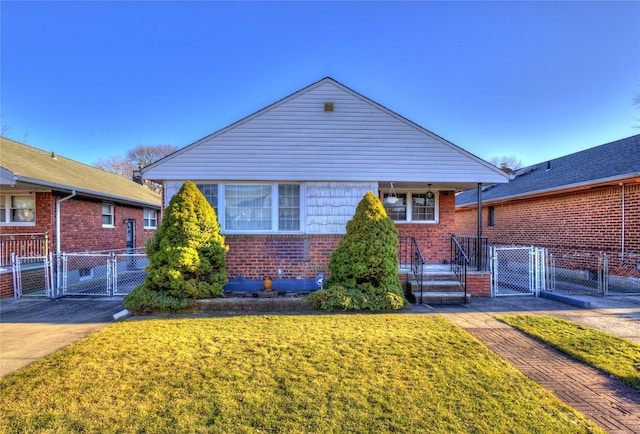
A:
{"x": 296, "y": 140}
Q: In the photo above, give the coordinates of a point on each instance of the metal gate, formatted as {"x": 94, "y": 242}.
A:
{"x": 31, "y": 276}
{"x": 517, "y": 270}
{"x": 102, "y": 274}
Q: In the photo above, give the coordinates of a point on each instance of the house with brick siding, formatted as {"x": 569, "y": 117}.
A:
{"x": 285, "y": 180}
{"x": 576, "y": 206}
{"x": 49, "y": 203}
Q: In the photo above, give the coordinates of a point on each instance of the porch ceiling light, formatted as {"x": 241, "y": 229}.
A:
{"x": 429, "y": 193}
{"x": 392, "y": 198}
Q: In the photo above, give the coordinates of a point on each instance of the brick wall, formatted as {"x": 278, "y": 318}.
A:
{"x": 6, "y": 285}
{"x": 434, "y": 240}
{"x": 573, "y": 223}
{"x": 82, "y": 230}
{"x": 298, "y": 256}
{"x": 479, "y": 284}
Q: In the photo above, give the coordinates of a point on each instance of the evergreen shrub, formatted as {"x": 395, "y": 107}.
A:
{"x": 364, "y": 267}
{"x": 187, "y": 255}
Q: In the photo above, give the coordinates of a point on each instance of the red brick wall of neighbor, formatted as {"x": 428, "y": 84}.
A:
{"x": 81, "y": 226}
{"x": 580, "y": 222}
{"x": 6, "y": 285}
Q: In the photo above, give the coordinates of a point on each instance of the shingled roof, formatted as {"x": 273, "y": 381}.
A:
{"x": 23, "y": 165}
{"x": 612, "y": 162}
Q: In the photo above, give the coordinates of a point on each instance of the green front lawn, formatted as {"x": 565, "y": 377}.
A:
{"x": 616, "y": 356}
{"x": 293, "y": 374}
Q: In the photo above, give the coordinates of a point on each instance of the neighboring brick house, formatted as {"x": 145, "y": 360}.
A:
{"x": 285, "y": 180}
{"x": 576, "y": 206}
{"x": 49, "y": 203}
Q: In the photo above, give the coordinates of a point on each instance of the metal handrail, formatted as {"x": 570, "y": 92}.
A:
{"x": 459, "y": 264}
{"x": 409, "y": 253}
{"x": 477, "y": 250}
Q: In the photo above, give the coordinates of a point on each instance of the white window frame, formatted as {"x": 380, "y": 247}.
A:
{"x": 409, "y": 205}
{"x": 5, "y": 211}
{"x": 112, "y": 213}
{"x": 149, "y": 220}
{"x": 221, "y": 208}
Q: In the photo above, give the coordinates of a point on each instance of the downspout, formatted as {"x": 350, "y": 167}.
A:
{"x": 623, "y": 224}
{"x": 58, "y": 237}
{"x": 479, "y": 240}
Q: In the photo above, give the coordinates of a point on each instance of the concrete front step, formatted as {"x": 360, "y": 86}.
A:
{"x": 438, "y": 276}
{"x": 443, "y": 298}
{"x": 436, "y": 286}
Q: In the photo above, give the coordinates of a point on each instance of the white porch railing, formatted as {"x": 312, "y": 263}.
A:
{"x": 23, "y": 245}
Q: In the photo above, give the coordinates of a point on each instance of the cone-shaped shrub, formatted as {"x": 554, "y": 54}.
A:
{"x": 186, "y": 256}
{"x": 364, "y": 267}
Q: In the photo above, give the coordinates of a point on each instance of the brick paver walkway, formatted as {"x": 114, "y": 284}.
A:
{"x": 606, "y": 401}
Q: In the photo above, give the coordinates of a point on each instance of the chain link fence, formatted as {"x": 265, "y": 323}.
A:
{"x": 578, "y": 273}
{"x": 623, "y": 275}
{"x": 101, "y": 274}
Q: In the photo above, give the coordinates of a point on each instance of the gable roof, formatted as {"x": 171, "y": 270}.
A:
{"x": 295, "y": 139}
{"x": 600, "y": 165}
{"x": 28, "y": 167}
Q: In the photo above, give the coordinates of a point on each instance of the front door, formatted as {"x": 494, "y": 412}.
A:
{"x": 131, "y": 236}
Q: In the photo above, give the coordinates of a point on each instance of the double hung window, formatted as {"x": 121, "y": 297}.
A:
{"x": 18, "y": 209}
{"x": 150, "y": 218}
{"x": 108, "y": 215}
{"x": 411, "y": 206}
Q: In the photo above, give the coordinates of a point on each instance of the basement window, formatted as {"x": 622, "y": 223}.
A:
{"x": 85, "y": 273}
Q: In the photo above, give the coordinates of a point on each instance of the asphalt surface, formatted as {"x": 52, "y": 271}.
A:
{"x": 32, "y": 329}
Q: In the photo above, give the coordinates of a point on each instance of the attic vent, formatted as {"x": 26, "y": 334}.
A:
{"x": 548, "y": 166}
{"x": 328, "y": 106}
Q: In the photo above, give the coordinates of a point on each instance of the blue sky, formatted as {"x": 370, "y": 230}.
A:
{"x": 537, "y": 80}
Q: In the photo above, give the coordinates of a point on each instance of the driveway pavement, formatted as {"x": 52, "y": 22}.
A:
{"x": 32, "y": 329}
